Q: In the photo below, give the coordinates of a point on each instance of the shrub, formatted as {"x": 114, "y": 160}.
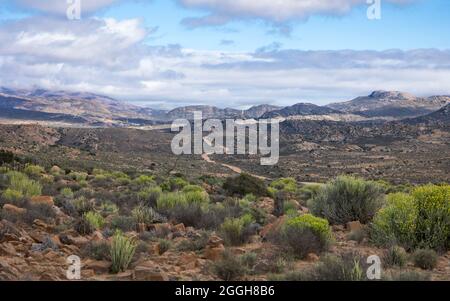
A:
{"x": 425, "y": 259}
{"x": 196, "y": 243}
{"x": 143, "y": 214}
{"x": 245, "y": 184}
{"x": 95, "y": 219}
{"x": 40, "y": 211}
{"x": 21, "y": 183}
{"x": 347, "y": 199}
{"x": 190, "y": 215}
{"x": 409, "y": 276}
{"x": 285, "y": 184}
{"x": 174, "y": 184}
{"x": 78, "y": 176}
{"x": 150, "y": 195}
{"x": 170, "y": 200}
{"x": 357, "y": 235}
{"x": 123, "y": 223}
{"x": 418, "y": 220}
{"x": 144, "y": 180}
{"x": 164, "y": 246}
{"x": 308, "y": 192}
{"x": 122, "y": 252}
{"x": 395, "y": 256}
{"x": 97, "y": 250}
{"x": 347, "y": 267}
{"x": 107, "y": 208}
{"x": 192, "y": 188}
{"x": 433, "y": 216}
{"x": 83, "y": 226}
{"x": 395, "y": 223}
{"x": 279, "y": 206}
{"x": 33, "y": 170}
{"x": 12, "y": 195}
{"x": 67, "y": 193}
{"x": 82, "y": 205}
{"x": 229, "y": 267}
{"x": 234, "y": 231}
{"x": 197, "y": 197}
{"x": 305, "y": 234}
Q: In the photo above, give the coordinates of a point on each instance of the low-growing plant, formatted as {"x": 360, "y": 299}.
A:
{"x": 304, "y": 234}
{"x": 168, "y": 201}
{"x": 229, "y": 267}
{"x": 97, "y": 250}
{"x": 357, "y": 235}
{"x": 107, "y": 208}
{"x": 33, "y": 170}
{"x": 67, "y": 193}
{"x": 122, "y": 252}
{"x": 143, "y": 214}
{"x": 123, "y": 223}
{"x": 174, "y": 184}
{"x": 164, "y": 246}
{"x": 425, "y": 259}
{"x": 83, "y": 226}
{"x": 196, "y": 243}
{"x": 21, "y": 183}
{"x": 150, "y": 195}
{"x": 234, "y": 230}
{"x": 395, "y": 256}
{"x": 308, "y": 192}
{"x": 347, "y": 199}
{"x": 245, "y": 184}
{"x": 82, "y": 205}
{"x": 95, "y": 219}
{"x": 12, "y": 196}
{"x": 417, "y": 220}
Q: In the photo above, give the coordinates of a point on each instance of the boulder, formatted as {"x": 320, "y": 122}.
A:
{"x": 311, "y": 257}
{"x": 143, "y": 273}
{"x": 354, "y": 226}
{"x": 99, "y": 267}
{"x": 213, "y": 253}
{"x": 11, "y": 209}
{"x": 42, "y": 200}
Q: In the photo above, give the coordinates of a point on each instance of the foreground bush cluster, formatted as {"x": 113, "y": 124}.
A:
{"x": 412, "y": 227}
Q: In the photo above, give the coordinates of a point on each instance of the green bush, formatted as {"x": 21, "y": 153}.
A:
{"x": 143, "y": 214}
{"x": 67, "y": 193}
{"x": 107, "y": 208}
{"x": 12, "y": 195}
{"x": 83, "y": 205}
{"x": 347, "y": 199}
{"x": 308, "y": 192}
{"x": 97, "y": 250}
{"x": 174, "y": 184}
{"x": 234, "y": 230}
{"x": 418, "y": 220}
{"x": 95, "y": 219}
{"x": 164, "y": 246}
{"x": 245, "y": 184}
{"x": 285, "y": 184}
{"x": 347, "y": 267}
{"x": 122, "y": 252}
{"x": 144, "y": 180}
{"x": 229, "y": 268}
{"x": 123, "y": 223}
{"x": 21, "y": 183}
{"x": 78, "y": 176}
{"x": 305, "y": 234}
{"x": 170, "y": 200}
{"x": 33, "y": 170}
{"x": 150, "y": 195}
{"x": 425, "y": 259}
{"x": 395, "y": 256}
{"x": 83, "y": 226}
{"x": 396, "y": 222}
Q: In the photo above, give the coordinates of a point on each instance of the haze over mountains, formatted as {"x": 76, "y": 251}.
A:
{"x": 88, "y": 109}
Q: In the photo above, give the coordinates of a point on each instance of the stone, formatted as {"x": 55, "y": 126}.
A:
{"x": 42, "y": 200}
{"x": 78, "y": 241}
{"x": 273, "y": 226}
{"x": 11, "y": 209}
{"x": 99, "y": 267}
{"x": 215, "y": 241}
{"x": 7, "y": 249}
{"x": 179, "y": 228}
{"x": 143, "y": 273}
{"x": 141, "y": 227}
{"x": 354, "y": 226}
{"x": 97, "y": 236}
{"x": 214, "y": 253}
{"x": 311, "y": 257}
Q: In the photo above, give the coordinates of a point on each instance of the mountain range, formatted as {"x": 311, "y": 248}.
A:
{"x": 82, "y": 108}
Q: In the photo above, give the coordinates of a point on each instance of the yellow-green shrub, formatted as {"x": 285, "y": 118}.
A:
{"x": 21, "y": 183}
{"x": 95, "y": 219}
{"x": 122, "y": 251}
{"x": 12, "y": 195}
{"x": 33, "y": 170}
{"x": 418, "y": 220}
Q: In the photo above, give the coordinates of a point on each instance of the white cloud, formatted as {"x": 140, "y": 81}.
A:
{"x": 110, "y": 57}
{"x": 59, "y": 7}
{"x": 274, "y": 11}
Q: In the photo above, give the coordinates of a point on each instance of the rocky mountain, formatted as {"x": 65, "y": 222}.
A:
{"x": 259, "y": 111}
{"x": 301, "y": 109}
{"x": 208, "y": 112}
{"x": 439, "y": 117}
{"x": 68, "y": 106}
{"x": 392, "y": 104}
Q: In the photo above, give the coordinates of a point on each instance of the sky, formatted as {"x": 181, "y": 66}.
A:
{"x": 226, "y": 53}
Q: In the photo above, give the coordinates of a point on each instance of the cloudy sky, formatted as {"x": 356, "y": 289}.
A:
{"x": 166, "y": 53}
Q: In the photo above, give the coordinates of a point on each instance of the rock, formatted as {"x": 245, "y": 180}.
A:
{"x": 188, "y": 261}
{"x": 338, "y": 228}
{"x": 215, "y": 241}
{"x": 99, "y": 267}
{"x": 11, "y": 209}
{"x": 213, "y": 253}
{"x": 78, "y": 241}
{"x": 97, "y": 236}
{"x": 179, "y": 228}
{"x": 7, "y": 249}
{"x": 141, "y": 227}
{"x": 354, "y": 226}
{"x": 311, "y": 257}
{"x": 143, "y": 273}
{"x": 273, "y": 226}
{"x": 37, "y": 223}
{"x": 42, "y": 200}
